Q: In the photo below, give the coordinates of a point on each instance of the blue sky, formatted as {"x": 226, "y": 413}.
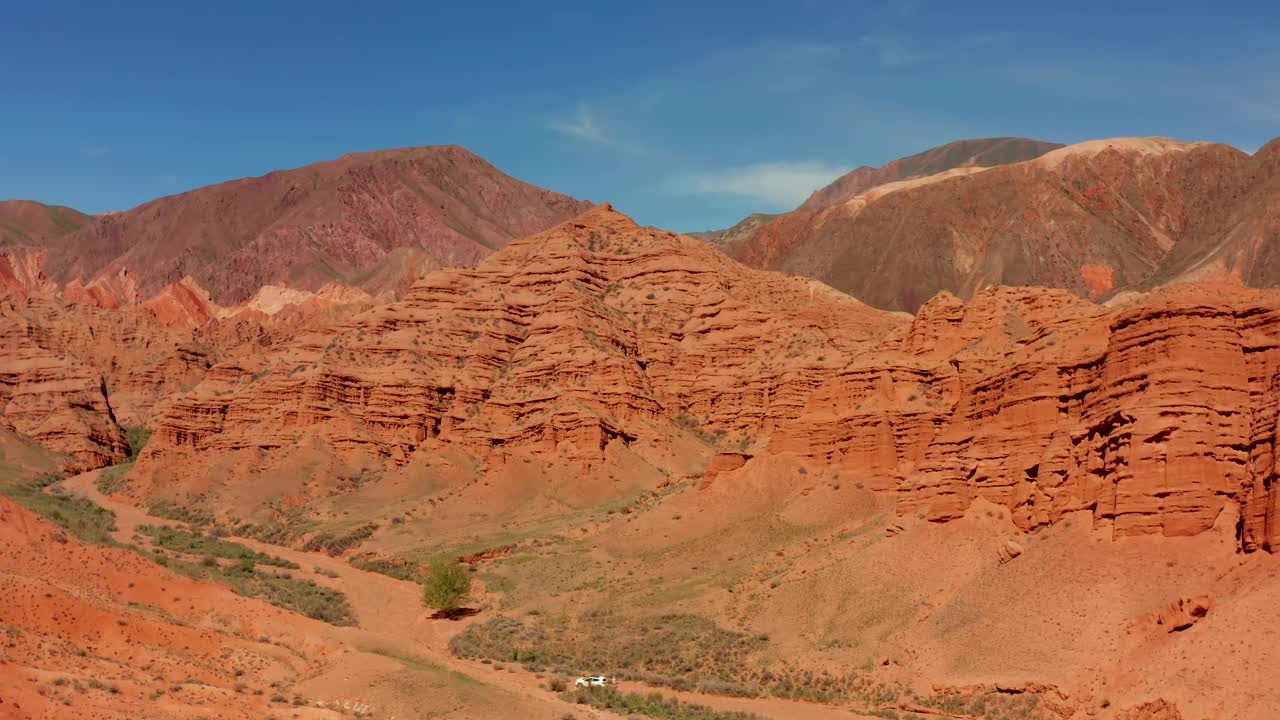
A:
{"x": 686, "y": 115}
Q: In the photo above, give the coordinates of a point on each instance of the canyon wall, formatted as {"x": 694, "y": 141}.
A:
{"x": 1156, "y": 412}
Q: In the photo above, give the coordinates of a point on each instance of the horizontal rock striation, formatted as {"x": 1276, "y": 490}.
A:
{"x": 595, "y": 331}
{"x": 1156, "y": 413}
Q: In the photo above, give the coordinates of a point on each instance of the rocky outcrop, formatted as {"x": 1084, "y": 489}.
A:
{"x": 722, "y": 463}
{"x": 75, "y": 370}
{"x": 1157, "y": 414}
{"x": 595, "y": 332}
{"x": 1184, "y": 612}
{"x": 57, "y": 401}
{"x": 22, "y": 272}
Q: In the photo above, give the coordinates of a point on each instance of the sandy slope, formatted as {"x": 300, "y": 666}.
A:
{"x": 393, "y": 621}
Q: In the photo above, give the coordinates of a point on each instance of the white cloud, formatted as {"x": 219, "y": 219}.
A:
{"x": 780, "y": 184}
{"x": 586, "y": 126}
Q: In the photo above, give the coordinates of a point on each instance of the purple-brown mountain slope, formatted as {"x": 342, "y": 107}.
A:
{"x": 26, "y": 222}
{"x": 982, "y": 152}
{"x": 339, "y": 220}
{"x": 1093, "y": 218}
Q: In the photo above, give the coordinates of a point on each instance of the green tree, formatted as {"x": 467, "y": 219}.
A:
{"x": 448, "y": 585}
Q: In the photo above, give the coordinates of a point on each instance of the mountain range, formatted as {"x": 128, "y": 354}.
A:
{"x": 1095, "y": 218}
{"x": 988, "y": 432}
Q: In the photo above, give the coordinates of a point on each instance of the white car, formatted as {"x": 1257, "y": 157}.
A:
{"x": 592, "y": 681}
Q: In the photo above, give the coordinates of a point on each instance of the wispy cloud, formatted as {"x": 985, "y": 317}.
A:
{"x": 1249, "y": 94}
{"x": 586, "y": 126}
{"x": 907, "y": 8}
{"x": 780, "y": 184}
{"x": 890, "y": 50}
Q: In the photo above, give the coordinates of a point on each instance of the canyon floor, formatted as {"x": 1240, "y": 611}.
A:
{"x": 966, "y": 619}
{"x": 395, "y": 664}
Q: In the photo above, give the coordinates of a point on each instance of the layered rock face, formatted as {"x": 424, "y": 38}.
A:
{"x": 26, "y": 229}
{"x": 342, "y": 220}
{"x": 1157, "y": 414}
{"x": 72, "y": 375}
{"x": 76, "y": 368}
{"x": 595, "y": 331}
{"x": 1093, "y": 218}
{"x": 60, "y": 403}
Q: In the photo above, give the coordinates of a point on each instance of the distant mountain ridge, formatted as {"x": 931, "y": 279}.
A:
{"x": 26, "y": 222}
{"x": 1095, "y": 218}
{"x": 984, "y": 152}
{"x": 974, "y": 153}
{"x": 423, "y": 207}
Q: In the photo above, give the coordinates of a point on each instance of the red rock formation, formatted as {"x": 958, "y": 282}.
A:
{"x": 592, "y": 332}
{"x": 1183, "y": 613}
{"x": 722, "y": 463}
{"x": 108, "y": 291}
{"x": 73, "y": 371}
{"x": 335, "y": 220}
{"x": 1152, "y": 415}
{"x": 1156, "y": 415}
{"x": 22, "y": 272}
{"x": 26, "y": 228}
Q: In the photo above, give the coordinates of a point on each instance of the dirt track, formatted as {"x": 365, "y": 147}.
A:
{"x": 392, "y": 619}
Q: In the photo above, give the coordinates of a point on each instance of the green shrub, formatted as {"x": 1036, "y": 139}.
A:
{"x": 112, "y": 480}
{"x": 298, "y": 595}
{"x": 137, "y": 437}
{"x": 652, "y": 705}
{"x": 190, "y": 543}
{"x": 182, "y": 513}
{"x": 448, "y": 585}
{"x": 75, "y": 514}
{"x": 335, "y": 545}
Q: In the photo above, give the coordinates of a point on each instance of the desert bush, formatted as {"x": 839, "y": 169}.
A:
{"x": 335, "y": 545}
{"x": 173, "y": 511}
{"x": 112, "y": 480}
{"x": 661, "y": 649}
{"x": 137, "y": 437}
{"x": 191, "y": 543}
{"x": 294, "y": 594}
{"x": 396, "y": 568}
{"x": 448, "y": 585}
{"x": 75, "y": 514}
{"x": 652, "y": 705}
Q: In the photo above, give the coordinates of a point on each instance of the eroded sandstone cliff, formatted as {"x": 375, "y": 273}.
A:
{"x": 1156, "y": 413}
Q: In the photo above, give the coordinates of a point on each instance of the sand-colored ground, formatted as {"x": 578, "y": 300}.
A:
{"x": 397, "y": 646}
